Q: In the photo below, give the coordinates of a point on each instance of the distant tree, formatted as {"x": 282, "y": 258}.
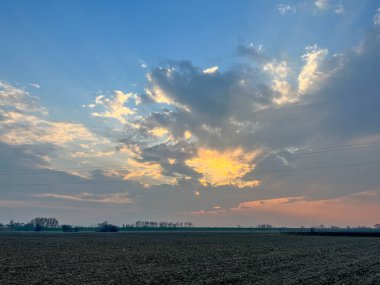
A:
{"x": 38, "y": 228}
{"x": 377, "y": 226}
{"x": 45, "y": 222}
{"x": 11, "y": 225}
{"x": 264, "y": 226}
{"x": 67, "y": 228}
{"x": 106, "y": 227}
{"x": 334, "y": 227}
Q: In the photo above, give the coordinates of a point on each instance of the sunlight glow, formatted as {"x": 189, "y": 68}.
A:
{"x": 221, "y": 168}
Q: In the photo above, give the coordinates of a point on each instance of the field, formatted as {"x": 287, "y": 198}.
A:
{"x": 187, "y": 258}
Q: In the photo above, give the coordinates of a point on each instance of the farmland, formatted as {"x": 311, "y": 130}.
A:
{"x": 187, "y": 257}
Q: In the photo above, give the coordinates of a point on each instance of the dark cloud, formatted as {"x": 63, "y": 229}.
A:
{"x": 350, "y": 97}
{"x": 252, "y": 52}
{"x": 212, "y": 98}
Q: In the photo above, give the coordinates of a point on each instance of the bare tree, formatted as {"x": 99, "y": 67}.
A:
{"x": 45, "y": 222}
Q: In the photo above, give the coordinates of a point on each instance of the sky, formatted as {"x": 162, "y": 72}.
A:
{"x": 222, "y": 113}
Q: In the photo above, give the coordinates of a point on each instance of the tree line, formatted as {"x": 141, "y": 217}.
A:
{"x": 52, "y": 224}
{"x": 162, "y": 224}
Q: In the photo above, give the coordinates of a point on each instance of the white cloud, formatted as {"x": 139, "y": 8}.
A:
{"x": 115, "y": 107}
{"x": 211, "y": 70}
{"x": 330, "y": 5}
{"x": 18, "y": 128}
{"x": 35, "y": 85}
{"x": 310, "y": 73}
{"x": 321, "y": 4}
{"x": 24, "y": 123}
{"x": 19, "y": 99}
{"x": 339, "y": 9}
{"x": 280, "y": 84}
{"x": 376, "y": 18}
{"x": 143, "y": 65}
{"x": 279, "y": 69}
{"x": 286, "y": 9}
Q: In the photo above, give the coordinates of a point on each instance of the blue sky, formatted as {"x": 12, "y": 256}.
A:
{"x": 156, "y": 88}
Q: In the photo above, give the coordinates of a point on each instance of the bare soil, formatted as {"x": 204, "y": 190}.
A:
{"x": 187, "y": 258}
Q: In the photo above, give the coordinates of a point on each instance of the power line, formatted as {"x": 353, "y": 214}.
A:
{"x": 259, "y": 172}
{"x": 342, "y": 146}
{"x": 112, "y": 167}
{"x": 332, "y": 149}
{"x": 55, "y": 171}
{"x": 319, "y": 167}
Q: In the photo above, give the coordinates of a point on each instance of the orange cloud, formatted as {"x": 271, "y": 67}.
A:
{"x": 158, "y": 132}
{"x": 148, "y": 173}
{"x": 224, "y": 167}
{"x": 358, "y": 209}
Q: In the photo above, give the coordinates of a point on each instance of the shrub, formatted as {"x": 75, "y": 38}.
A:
{"x": 38, "y": 228}
{"x": 105, "y": 227}
{"x": 67, "y": 228}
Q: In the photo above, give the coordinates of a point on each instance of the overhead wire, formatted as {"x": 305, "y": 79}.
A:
{"x": 259, "y": 172}
{"x": 116, "y": 167}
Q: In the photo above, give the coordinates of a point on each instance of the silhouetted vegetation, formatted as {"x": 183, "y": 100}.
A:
{"x": 51, "y": 224}
{"x": 67, "y": 228}
{"x": 264, "y": 226}
{"x": 162, "y": 224}
{"x": 45, "y": 222}
{"x": 71, "y": 229}
{"x": 334, "y": 231}
{"x": 106, "y": 227}
{"x": 38, "y": 228}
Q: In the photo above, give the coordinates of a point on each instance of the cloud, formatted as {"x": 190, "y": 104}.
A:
{"x": 210, "y": 70}
{"x": 286, "y": 9}
{"x": 223, "y": 168}
{"x": 92, "y": 153}
{"x": 115, "y": 198}
{"x": 321, "y": 4}
{"x": 26, "y": 124}
{"x": 143, "y": 64}
{"x": 115, "y": 107}
{"x": 279, "y": 72}
{"x": 255, "y": 52}
{"x": 313, "y": 8}
{"x": 35, "y": 85}
{"x": 16, "y": 99}
{"x": 190, "y": 91}
{"x": 360, "y": 209}
{"x": 376, "y": 18}
{"x": 27, "y": 129}
{"x": 158, "y": 132}
{"x": 346, "y": 112}
{"x": 339, "y": 8}
{"x": 148, "y": 173}
{"x": 272, "y": 108}
{"x": 23, "y": 121}
{"x": 192, "y": 132}
{"x": 310, "y": 74}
